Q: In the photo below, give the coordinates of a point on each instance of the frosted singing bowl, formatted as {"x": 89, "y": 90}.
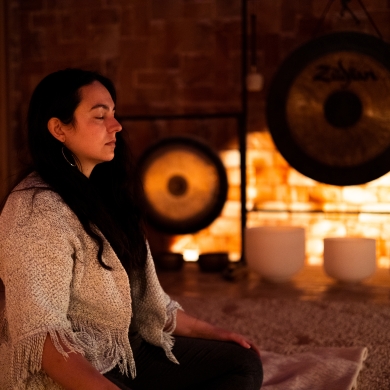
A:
{"x": 275, "y": 252}
{"x": 349, "y": 259}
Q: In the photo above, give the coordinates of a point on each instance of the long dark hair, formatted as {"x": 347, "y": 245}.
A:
{"x": 110, "y": 199}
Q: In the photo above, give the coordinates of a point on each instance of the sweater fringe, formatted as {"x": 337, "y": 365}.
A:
{"x": 117, "y": 342}
{"x": 27, "y": 353}
{"x": 167, "y": 344}
{"x": 167, "y": 340}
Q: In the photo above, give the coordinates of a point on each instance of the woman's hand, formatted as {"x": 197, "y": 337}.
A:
{"x": 189, "y": 326}
{"x": 237, "y": 338}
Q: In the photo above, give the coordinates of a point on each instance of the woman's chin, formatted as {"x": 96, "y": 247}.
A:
{"x": 108, "y": 157}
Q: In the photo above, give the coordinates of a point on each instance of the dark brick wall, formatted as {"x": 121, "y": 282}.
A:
{"x": 165, "y": 56}
{"x": 171, "y": 56}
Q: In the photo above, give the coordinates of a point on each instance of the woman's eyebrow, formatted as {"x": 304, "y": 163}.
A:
{"x": 100, "y": 105}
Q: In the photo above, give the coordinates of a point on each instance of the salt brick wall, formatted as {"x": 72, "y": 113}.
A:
{"x": 282, "y": 196}
{"x": 173, "y": 57}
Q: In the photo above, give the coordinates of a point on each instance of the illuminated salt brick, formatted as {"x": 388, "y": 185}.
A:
{"x": 231, "y": 209}
{"x": 232, "y": 244}
{"x": 252, "y": 221}
{"x": 250, "y": 204}
{"x": 260, "y": 140}
{"x": 230, "y": 158}
{"x": 383, "y": 194}
{"x": 340, "y": 207}
{"x": 373, "y": 218}
{"x": 295, "y": 178}
{"x": 382, "y": 247}
{"x": 251, "y": 192}
{"x": 265, "y": 193}
{"x": 302, "y": 206}
{"x": 328, "y": 228}
{"x": 358, "y": 195}
{"x": 211, "y": 243}
{"x": 315, "y": 260}
{"x": 376, "y": 208}
{"x": 182, "y": 242}
{"x": 279, "y": 161}
{"x": 269, "y": 218}
{"x": 234, "y": 193}
{"x": 323, "y": 194}
{"x": 225, "y": 226}
{"x": 385, "y": 233}
{"x": 251, "y": 180}
{"x": 383, "y": 262}
{"x": 314, "y": 246}
{"x": 301, "y": 219}
{"x": 281, "y": 193}
{"x": 260, "y": 158}
{"x": 363, "y": 230}
{"x": 277, "y": 205}
{"x": 271, "y": 176}
{"x": 383, "y": 181}
{"x": 299, "y": 194}
{"x": 234, "y": 176}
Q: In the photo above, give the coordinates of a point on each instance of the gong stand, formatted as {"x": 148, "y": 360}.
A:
{"x": 240, "y": 116}
{"x": 167, "y": 149}
{"x": 345, "y": 7}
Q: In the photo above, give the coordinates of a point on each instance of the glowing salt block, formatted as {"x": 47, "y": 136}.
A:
{"x": 275, "y": 252}
{"x": 349, "y": 259}
{"x": 315, "y": 260}
{"x": 383, "y": 262}
{"x": 190, "y": 255}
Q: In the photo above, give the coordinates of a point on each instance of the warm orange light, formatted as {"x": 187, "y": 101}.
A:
{"x": 190, "y": 254}
{"x": 279, "y": 195}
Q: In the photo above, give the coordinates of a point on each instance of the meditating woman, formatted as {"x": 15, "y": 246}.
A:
{"x": 83, "y": 305}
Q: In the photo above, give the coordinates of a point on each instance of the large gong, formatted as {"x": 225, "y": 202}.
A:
{"x": 328, "y": 108}
{"x": 185, "y": 185}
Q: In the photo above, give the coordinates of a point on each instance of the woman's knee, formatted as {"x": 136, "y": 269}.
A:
{"x": 253, "y": 367}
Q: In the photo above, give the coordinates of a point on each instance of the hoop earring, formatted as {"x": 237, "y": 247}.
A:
{"x": 63, "y": 153}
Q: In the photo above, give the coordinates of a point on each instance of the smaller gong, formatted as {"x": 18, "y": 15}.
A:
{"x": 185, "y": 185}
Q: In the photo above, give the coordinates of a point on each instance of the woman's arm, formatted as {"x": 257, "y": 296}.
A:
{"x": 192, "y": 327}
{"x": 74, "y": 372}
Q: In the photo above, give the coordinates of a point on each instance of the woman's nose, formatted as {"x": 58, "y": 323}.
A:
{"x": 115, "y": 126}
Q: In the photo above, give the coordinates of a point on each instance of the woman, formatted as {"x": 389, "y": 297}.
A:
{"x": 84, "y": 308}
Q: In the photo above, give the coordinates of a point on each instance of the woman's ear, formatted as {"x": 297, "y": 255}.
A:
{"x": 55, "y": 127}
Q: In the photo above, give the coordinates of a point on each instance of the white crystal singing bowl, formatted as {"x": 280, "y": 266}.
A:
{"x": 349, "y": 259}
{"x": 275, "y": 252}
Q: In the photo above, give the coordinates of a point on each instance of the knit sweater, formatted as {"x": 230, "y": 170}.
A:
{"x": 54, "y": 285}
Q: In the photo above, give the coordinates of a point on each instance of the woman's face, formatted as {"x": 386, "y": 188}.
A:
{"x": 92, "y": 136}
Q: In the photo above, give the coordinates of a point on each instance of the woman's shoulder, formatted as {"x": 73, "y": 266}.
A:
{"x": 34, "y": 208}
{"x": 31, "y": 181}
{"x": 33, "y": 186}
{"x": 33, "y": 195}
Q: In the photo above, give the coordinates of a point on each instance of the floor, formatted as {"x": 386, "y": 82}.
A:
{"x": 310, "y": 284}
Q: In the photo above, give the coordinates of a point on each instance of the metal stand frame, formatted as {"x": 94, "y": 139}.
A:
{"x": 240, "y": 116}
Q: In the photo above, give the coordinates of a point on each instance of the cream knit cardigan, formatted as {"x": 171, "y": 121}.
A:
{"x": 54, "y": 285}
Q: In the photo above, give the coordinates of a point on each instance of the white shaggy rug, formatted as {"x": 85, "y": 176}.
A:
{"x": 313, "y": 329}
